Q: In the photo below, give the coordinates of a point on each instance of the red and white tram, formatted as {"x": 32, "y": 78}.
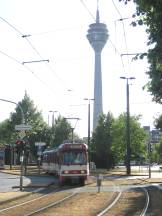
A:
{"x": 69, "y": 162}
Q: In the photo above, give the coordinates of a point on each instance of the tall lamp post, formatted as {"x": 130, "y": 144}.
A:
{"x": 53, "y": 116}
{"x": 128, "y": 148}
{"x": 89, "y": 119}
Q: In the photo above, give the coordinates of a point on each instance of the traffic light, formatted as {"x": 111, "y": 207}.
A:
{"x": 19, "y": 142}
{"x": 150, "y": 147}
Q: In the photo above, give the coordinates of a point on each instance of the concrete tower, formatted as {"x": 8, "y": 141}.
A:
{"x": 97, "y": 37}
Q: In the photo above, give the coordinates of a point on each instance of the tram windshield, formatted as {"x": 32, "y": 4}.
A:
{"x": 74, "y": 157}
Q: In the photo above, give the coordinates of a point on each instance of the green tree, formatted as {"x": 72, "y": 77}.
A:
{"x": 33, "y": 117}
{"x": 149, "y": 13}
{"x": 60, "y": 131}
{"x": 137, "y": 138}
{"x": 6, "y": 132}
{"x": 102, "y": 140}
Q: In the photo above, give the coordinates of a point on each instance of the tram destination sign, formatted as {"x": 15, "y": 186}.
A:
{"x": 23, "y": 127}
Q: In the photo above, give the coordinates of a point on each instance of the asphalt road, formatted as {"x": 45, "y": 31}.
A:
{"x": 7, "y": 181}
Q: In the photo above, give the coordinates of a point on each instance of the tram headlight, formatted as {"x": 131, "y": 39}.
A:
{"x": 66, "y": 172}
{"x": 83, "y": 171}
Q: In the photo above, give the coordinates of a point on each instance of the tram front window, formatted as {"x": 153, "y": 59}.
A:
{"x": 74, "y": 158}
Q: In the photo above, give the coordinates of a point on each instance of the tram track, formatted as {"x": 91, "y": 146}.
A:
{"x": 155, "y": 197}
{"x": 79, "y": 204}
{"x": 69, "y": 201}
{"x": 144, "y": 210}
{"x": 129, "y": 202}
{"x": 36, "y": 202}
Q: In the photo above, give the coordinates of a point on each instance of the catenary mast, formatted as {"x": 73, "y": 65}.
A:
{"x": 97, "y": 37}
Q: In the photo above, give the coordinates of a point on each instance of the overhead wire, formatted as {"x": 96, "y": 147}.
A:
{"x": 117, "y": 51}
{"x": 17, "y": 61}
{"x": 89, "y": 12}
{"x": 124, "y": 32}
{"x": 53, "y": 31}
{"x": 33, "y": 47}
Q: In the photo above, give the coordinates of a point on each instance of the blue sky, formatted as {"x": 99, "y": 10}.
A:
{"x": 57, "y": 30}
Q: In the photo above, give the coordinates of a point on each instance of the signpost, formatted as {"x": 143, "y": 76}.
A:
{"x": 22, "y": 128}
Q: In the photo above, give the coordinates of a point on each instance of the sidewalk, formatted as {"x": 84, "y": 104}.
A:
{"x": 32, "y": 182}
{"x": 6, "y": 196}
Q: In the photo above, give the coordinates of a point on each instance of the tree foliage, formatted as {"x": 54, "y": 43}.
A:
{"x": 109, "y": 140}
{"x": 150, "y": 12}
{"x": 6, "y": 135}
{"x": 60, "y": 131}
{"x": 102, "y": 140}
{"x": 137, "y": 138}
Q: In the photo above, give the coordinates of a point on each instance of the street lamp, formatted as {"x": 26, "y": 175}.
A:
{"x": 128, "y": 149}
{"x": 89, "y": 100}
{"x": 53, "y": 117}
{"x": 22, "y": 113}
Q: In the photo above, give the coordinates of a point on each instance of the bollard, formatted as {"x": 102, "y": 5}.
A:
{"x": 99, "y": 178}
{"x": 39, "y": 164}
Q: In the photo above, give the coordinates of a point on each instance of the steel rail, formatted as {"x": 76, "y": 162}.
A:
{"x": 51, "y": 205}
{"x": 29, "y": 201}
{"x": 113, "y": 202}
{"x": 143, "y": 213}
{"x": 40, "y": 197}
{"x": 111, "y": 205}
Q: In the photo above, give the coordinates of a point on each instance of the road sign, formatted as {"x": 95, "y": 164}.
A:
{"x": 23, "y": 127}
{"x": 22, "y": 134}
{"x": 40, "y": 143}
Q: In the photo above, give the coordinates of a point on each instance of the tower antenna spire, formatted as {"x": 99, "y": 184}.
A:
{"x": 97, "y": 36}
{"x": 97, "y": 14}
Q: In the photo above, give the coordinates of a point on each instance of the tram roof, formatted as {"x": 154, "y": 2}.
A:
{"x": 66, "y": 146}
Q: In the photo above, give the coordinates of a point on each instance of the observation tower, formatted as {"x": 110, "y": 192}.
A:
{"x": 97, "y": 36}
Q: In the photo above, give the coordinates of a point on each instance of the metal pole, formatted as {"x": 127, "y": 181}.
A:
{"x": 149, "y": 154}
{"x": 128, "y": 132}
{"x": 89, "y": 124}
{"x": 128, "y": 148}
{"x": 11, "y": 157}
{"x": 21, "y": 171}
{"x": 53, "y": 119}
{"x": 72, "y": 134}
